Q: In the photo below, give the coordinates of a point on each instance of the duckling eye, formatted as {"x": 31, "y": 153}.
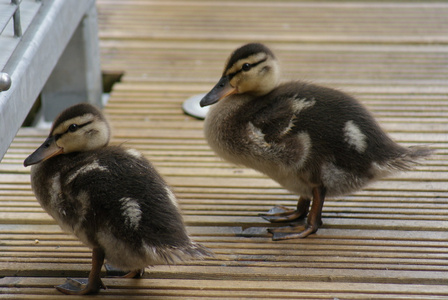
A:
{"x": 73, "y": 128}
{"x": 246, "y": 67}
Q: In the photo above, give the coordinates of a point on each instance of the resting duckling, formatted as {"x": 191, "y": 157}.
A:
{"x": 111, "y": 198}
{"x": 313, "y": 140}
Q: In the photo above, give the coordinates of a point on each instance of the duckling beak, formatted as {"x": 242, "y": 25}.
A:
{"x": 48, "y": 149}
{"x": 221, "y": 90}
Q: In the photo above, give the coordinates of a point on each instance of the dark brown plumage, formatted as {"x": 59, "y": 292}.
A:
{"x": 110, "y": 197}
{"x": 313, "y": 140}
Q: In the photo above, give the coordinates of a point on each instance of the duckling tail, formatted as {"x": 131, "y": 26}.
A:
{"x": 191, "y": 251}
{"x": 417, "y": 152}
{"x": 409, "y": 158}
{"x": 199, "y": 251}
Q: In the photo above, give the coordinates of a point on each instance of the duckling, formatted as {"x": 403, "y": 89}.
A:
{"x": 313, "y": 140}
{"x": 110, "y": 197}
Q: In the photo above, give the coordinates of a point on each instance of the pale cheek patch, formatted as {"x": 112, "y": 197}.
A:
{"x": 131, "y": 212}
{"x": 354, "y": 137}
{"x": 97, "y": 135}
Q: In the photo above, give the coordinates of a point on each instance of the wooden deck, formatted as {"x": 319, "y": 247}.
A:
{"x": 389, "y": 241}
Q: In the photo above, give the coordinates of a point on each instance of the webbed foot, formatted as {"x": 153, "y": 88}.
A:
{"x": 111, "y": 271}
{"x": 314, "y": 220}
{"x": 279, "y": 214}
{"x": 86, "y": 286}
{"x": 291, "y": 232}
{"x": 80, "y": 286}
{"x": 283, "y": 214}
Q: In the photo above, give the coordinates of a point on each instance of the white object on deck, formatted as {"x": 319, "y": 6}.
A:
{"x": 191, "y": 107}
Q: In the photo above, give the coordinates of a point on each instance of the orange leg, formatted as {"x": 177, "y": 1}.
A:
{"x": 90, "y": 286}
{"x": 314, "y": 220}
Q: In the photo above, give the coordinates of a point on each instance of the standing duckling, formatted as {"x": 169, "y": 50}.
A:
{"x": 313, "y": 140}
{"x": 111, "y": 198}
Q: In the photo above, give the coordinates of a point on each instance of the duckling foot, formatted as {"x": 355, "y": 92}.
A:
{"x": 314, "y": 220}
{"x": 86, "y": 286}
{"x": 283, "y": 214}
{"x": 291, "y": 232}
{"x": 111, "y": 271}
{"x": 80, "y": 286}
{"x": 135, "y": 274}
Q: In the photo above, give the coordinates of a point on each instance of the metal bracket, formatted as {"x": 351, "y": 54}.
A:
{"x": 5, "y": 82}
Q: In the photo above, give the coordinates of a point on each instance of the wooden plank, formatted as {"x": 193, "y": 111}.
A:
{"x": 230, "y": 271}
{"x": 387, "y": 241}
{"x": 226, "y": 288}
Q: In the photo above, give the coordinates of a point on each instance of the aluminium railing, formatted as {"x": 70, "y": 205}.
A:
{"x": 47, "y": 48}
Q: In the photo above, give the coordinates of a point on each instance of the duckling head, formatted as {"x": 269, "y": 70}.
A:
{"x": 251, "y": 69}
{"x": 79, "y": 128}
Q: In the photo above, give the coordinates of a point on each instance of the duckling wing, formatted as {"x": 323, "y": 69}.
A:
{"x": 276, "y": 126}
{"x": 274, "y": 120}
{"x": 127, "y": 196}
{"x": 120, "y": 203}
{"x": 300, "y": 123}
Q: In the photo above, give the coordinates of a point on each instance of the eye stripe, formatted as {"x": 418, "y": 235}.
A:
{"x": 231, "y": 75}
{"x": 79, "y": 126}
{"x": 58, "y": 136}
{"x": 257, "y": 63}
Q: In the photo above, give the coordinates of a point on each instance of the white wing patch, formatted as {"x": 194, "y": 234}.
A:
{"x": 305, "y": 141}
{"x": 256, "y": 134}
{"x": 354, "y": 137}
{"x": 134, "y": 153}
{"x": 171, "y": 196}
{"x": 299, "y": 104}
{"x": 94, "y": 166}
{"x": 131, "y": 212}
{"x": 288, "y": 128}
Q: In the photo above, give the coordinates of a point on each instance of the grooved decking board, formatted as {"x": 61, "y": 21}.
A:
{"x": 388, "y": 241}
